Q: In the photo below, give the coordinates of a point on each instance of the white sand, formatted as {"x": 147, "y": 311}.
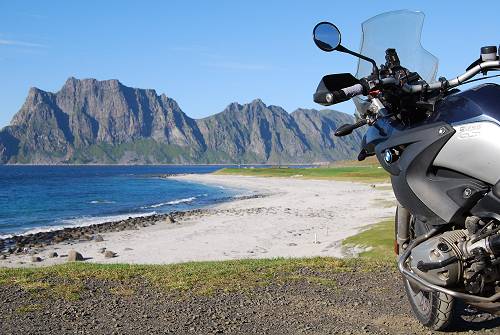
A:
{"x": 297, "y": 218}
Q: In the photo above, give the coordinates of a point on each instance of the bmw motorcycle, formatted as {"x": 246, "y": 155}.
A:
{"x": 441, "y": 147}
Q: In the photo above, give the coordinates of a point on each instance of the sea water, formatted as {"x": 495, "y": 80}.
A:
{"x": 40, "y": 198}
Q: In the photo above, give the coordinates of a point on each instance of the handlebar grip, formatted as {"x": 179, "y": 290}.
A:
{"x": 334, "y": 97}
{"x": 353, "y": 90}
{"x": 346, "y": 129}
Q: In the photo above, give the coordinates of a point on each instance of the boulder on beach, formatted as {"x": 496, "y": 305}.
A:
{"x": 74, "y": 256}
{"x": 99, "y": 238}
{"x": 109, "y": 254}
{"x": 35, "y": 259}
{"x": 170, "y": 219}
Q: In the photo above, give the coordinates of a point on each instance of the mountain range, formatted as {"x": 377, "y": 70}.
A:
{"x": 105, "y": 122}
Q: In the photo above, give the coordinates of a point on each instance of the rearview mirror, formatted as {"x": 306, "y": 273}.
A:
{"x": 326, "y": 36}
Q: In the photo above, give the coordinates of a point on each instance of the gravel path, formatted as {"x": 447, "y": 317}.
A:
{"x": 371, "y": 303}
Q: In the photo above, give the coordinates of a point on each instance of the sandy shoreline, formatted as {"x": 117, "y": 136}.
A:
{"x": 296, "y": 218}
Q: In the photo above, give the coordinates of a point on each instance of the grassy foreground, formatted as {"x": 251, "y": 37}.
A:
{"x": 372, "y": 173}
{"x": 65, "y": 281}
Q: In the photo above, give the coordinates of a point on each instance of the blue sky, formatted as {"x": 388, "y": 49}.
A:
{"x": 206, "y": 54}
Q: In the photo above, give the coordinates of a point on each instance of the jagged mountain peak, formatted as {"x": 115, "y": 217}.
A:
{"x": 73, "y": 85}
{"x": 36, "y": 95}
{"x": 72, "y": 81}
{"x": 35, "y": 90}
{"x": 237, "y": 106}
{"x": 258, "y": 102}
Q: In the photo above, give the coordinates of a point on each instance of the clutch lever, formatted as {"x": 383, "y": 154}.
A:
{"x": 348, "y": 128}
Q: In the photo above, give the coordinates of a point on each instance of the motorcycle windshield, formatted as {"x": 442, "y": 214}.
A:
{"x": 400, "y": 30}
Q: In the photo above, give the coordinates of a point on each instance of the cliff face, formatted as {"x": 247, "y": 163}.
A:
{"x": 254, "y": 132}
{"x": 319, "y": 128}
{"x": 90, "y": 121}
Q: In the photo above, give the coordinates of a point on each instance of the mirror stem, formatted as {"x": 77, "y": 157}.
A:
{"x": 343, "y": 49}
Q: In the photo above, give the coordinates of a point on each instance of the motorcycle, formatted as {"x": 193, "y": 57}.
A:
{"x": 441, "y": 147}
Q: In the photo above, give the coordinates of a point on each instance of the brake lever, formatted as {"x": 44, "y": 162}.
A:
{"x": 348, "y": 128}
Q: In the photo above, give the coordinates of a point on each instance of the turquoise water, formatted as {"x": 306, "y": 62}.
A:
{"x": 37, "y": 198}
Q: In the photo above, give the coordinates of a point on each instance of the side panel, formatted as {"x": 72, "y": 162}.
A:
{"x": 473, "y": 150}
{"x": 432, "y": 195}
{"x": 419, "y": 141}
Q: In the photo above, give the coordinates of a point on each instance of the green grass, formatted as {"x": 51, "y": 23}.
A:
{"x": 378, "y": 239}
{"x": 66, "y": 281}
{"x": 355, "y": 173}
{"x": 24, "y": 309}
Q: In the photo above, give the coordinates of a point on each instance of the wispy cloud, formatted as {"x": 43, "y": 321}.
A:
{"x": 239, "y": 66}
{"x": 188, "y": 48}
{"x": 198, "y": 50}
{"x": 35, "y": 16}
{"x": 21, "y": 44}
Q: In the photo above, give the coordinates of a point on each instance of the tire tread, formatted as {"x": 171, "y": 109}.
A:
{"x": 442, "y": 305}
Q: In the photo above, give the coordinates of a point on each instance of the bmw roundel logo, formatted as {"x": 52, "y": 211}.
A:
{"x": 388, "y": 156}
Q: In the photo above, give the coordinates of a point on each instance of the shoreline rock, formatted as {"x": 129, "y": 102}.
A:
{"x": 24, "y": 244}
{"x": 74, "y": 256}
{"x": 36, "y": 259}
{"x": 20, "y": 244}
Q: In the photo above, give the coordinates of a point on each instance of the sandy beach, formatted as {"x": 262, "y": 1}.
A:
{"x": 293, "y": 218}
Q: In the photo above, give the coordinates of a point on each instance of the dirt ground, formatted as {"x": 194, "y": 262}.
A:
{"x": 359, "y": 303}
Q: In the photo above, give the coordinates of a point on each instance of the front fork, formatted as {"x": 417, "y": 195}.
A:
{"x": 402, "y": 229}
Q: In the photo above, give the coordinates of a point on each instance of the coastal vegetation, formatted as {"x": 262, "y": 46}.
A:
{"x": 377, "y": 241}
{"x": 368, "y": 173}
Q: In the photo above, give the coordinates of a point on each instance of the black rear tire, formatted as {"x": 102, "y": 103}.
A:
{"x": 434, "y": 310}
